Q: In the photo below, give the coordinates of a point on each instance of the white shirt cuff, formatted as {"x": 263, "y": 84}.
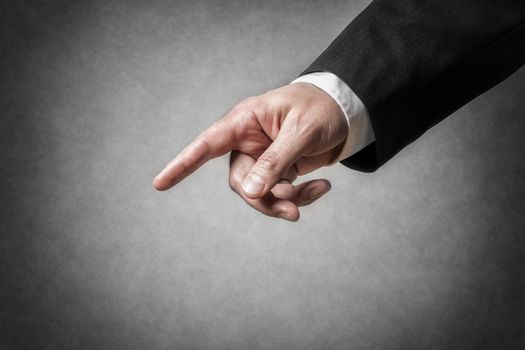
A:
{"x": 360, "y": 133}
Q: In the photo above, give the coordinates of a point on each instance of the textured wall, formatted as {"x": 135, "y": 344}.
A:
{"x": 426, "y": 253}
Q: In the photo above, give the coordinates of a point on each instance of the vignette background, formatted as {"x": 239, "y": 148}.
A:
{"x": 96, "y": 96}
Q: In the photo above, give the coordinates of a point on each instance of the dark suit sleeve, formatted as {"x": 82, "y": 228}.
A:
{"x": 414, "y": 62}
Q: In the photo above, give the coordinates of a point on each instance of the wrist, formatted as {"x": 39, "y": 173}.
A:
{"x": 358, "y": 127}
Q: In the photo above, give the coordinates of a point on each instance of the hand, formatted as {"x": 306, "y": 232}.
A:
{"x": 273, "y": 138}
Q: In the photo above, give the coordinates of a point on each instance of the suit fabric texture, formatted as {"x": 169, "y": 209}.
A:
{"x": 414, "y": 62}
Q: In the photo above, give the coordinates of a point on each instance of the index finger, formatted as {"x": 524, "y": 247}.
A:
{"x": 214, "y": 142}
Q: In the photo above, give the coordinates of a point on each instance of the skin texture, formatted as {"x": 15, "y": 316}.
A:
{"x": 273, "y": 138}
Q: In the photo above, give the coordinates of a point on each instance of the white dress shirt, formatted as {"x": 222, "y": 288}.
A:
{"x": 360, "y": 133}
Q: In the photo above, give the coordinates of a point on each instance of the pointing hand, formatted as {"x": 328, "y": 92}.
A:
{"x": 272, "y": 138}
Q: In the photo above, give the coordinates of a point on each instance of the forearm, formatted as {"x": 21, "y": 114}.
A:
{"x": 414, "y": 62}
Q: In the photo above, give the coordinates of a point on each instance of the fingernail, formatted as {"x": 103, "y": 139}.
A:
{"x": 317, "y": 192}
{"x": 253, "y": 184}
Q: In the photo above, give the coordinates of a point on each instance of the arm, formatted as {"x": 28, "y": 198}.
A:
{"x": 414, "y": 62}
{"x": 410, "y": 62}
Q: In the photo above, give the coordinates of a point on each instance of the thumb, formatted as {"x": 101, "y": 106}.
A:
{"x": 271, "y": 165}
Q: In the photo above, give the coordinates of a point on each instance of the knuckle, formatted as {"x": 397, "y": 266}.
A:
{"x": 305, "y": 123}
{"x": 305, "y": 131}
{"x": 309, "y": 132}
{"x": 232, "y": 184}
{"x": 201, "y": 147}
{"x": 220, "y": 125}
{"x": 250, "y": 100}
{"x": 277, "y": 97}
{"x": 269, "y": 161}
{"x": 245, "y": 105}
{"x": 250, "y": 107}
{"x": 203, "y": 141}
{"x": 184, "y": 164}
{"x": 234, "y": 181}
{"x": 246, "y": 114}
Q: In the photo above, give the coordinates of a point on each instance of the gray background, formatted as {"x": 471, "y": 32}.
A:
{"x": 428, "y": 252}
